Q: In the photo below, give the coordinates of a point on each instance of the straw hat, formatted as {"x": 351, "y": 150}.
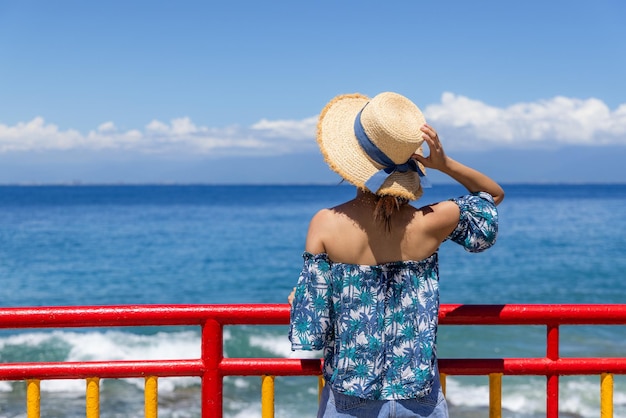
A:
{"x": 370, "y": 142}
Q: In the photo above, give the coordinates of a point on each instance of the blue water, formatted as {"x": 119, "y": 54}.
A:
{"x": 102, "y": 245}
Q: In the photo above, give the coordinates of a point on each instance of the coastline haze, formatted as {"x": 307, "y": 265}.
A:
{"x": 572, "y": 165}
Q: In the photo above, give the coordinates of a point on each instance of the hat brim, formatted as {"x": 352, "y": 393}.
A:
{"x": 344, "y": 155}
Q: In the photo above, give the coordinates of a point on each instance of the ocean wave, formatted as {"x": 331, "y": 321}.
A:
{"x": 525, "y": 396}
{"x": 109, "y": 345}
{"x": 522, "y": 396}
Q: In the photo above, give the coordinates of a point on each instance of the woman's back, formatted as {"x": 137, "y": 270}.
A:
{"x": 374, "y": 313}
{"x": 350, "y": 233}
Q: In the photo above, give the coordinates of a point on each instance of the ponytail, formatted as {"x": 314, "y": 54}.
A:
{"x": 386, "y": 206}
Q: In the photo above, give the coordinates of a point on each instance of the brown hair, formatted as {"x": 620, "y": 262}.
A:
{"x": 386, "y": 206}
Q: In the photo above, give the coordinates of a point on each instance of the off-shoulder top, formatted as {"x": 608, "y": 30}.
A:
{"x": 378, "y": 324}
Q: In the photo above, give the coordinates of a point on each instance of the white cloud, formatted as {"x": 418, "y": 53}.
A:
{"x": 461, "y": 121}
{"x": 559, "y": 120}
{"x": 107, "y": 127}
{"x": 35, "y": 135}
{"x": 179, "y": 135}
{"x": 294, "y": 129}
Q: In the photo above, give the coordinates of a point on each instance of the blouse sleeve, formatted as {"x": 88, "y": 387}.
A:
{"x": 310, "y": 312}
{"x": 477, "y": 229}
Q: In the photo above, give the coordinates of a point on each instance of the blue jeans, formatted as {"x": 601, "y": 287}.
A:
{"x": 336, "y": 405}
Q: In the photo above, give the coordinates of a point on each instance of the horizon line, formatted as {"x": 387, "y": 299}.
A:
{"x": 276, "y": 184}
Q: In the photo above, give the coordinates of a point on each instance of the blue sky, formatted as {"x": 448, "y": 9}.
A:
{"x": 221, "y": 92}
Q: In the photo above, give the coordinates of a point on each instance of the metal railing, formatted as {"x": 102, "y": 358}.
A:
{"x": 211, "y": 367}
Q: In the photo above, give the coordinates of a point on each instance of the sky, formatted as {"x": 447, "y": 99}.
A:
{"x": 229, "y": 91}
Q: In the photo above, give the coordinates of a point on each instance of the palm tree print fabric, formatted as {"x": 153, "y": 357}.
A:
{"x": 378, "y": 324}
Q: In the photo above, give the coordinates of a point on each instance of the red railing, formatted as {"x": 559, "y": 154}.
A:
{"x": 211, "y": 367}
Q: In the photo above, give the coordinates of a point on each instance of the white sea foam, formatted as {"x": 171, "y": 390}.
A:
{"x": 579, "y": 395}
{"x": 280, "y": 346}
{"x": 250, "y": 411}
{"x": 63, "y": 385}
{"x": 460, "y": 393}
{"x": 112, "y": 345}
{"x": 127, "y": 346}
{"x": 102, "y": 346}
{"x": 30, "y": 339}
{"x": 240, "y": 383}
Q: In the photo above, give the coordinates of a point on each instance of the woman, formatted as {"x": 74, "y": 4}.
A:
{"x": 368, "y": 292}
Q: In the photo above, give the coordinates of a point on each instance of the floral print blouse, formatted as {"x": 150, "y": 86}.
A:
{"x": 378, "y": 324}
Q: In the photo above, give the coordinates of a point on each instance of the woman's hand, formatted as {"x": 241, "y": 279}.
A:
{"x": 291, "y": 296}
{"x": 473, "y": 180}
{"x": 437, "y": 158}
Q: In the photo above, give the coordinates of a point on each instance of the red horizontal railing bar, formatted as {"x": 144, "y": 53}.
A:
{"x": 564, "y": 314}
{"x": 271, "y": 366}
{"x": 162, "y": 368}
{"x": 509, "y": 366}
{"x": 296, "y": 367}
{"x": 278, "y": 314}
{"x": 533, "y": 366}
{"x": 104, "y": 369}
{"x": 142, "y": 315}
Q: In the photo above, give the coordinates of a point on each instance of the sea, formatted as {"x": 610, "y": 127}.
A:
{"x": 214, "y": 244}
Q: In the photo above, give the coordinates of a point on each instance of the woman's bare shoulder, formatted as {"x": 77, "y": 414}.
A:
{"x": 319, "y": 228}
{"x": 443, "y": 207}
{"x": 323, "y": 217}
{"x": 440, "y": 218}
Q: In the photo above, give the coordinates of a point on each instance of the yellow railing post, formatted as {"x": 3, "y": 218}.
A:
{"x": 442, "y": 379}
{"x": 320, "y": 386}
{"x": 33, "y": 399}
{"x": 267, "y": 396}
{"x": 606, "y": 395}
{"x": 151, "y": 397}
{"x": 495, "y": 395}
{"x": 92, "y": 409}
